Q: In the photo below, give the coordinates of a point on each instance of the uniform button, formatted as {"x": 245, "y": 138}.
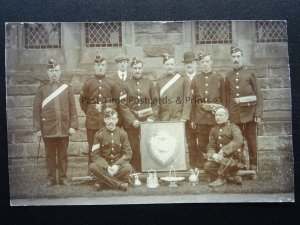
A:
{"x": 100, "y": 95}
{"x": 221, "y": 145}
{"x": 237, "y": 87}
{"x": 112, "y": 149}
{"x": 112, "y": 141}
{"x": 100, "y": 87}
{"x": 206, "y": 77}
{"x": 206, "y": 85}
{"x": 220, "y": 137}
{"x": 137, "y": 83}
{"x": 206, "y": 99}
{"x": 111, "y": 133}
{"x": 238, "y": 94}
{"x": 138, "y": 89}
{"x": 100, "y": 81}
{"x": 139, "y": 104}
{"x": 112, "y": 155}
{"x": 206, "y": 92}
{"x": 43, "y": 119}
{"x": 139, "y": 97}
{"x": 237, "y": 79}
{"x": 237, "y": 73}
{"x": 221, "y": 130}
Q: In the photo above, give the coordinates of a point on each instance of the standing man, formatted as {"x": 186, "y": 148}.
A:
{"x": 245, "y": 102}
{"x": 224, "y": 154}
{"x": 97, "y": 93}
{"x": 207, "y": 90}
{"x": 174, "y": 90}
{"x": 120, "y": 77}
{"x": 139, "y": 104}
{"x": 111, "y": 153}
{"x": 55, "y": 118}
{"x": 190, "y": 65}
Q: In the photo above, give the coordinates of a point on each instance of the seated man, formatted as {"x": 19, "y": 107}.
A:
{"x": 223, "y": 150}
{"x": 111, "y": 154}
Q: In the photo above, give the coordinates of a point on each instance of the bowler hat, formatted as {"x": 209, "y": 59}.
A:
{"x": 122, "y": 57}
{"x": 189, "y": 57}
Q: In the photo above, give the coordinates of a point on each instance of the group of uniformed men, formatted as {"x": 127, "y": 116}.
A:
{"x": 116, "y": 105}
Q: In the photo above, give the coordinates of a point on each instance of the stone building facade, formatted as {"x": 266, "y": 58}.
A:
{"x": 74, "y": 45}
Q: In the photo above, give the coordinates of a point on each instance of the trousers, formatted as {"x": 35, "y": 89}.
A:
{"x": 99, "y": 170}
{"x": 134, "y": 140}
{"x": 56, "y": 147}
{"x": 90, "y": 138}
{"x": 249, "y": 131}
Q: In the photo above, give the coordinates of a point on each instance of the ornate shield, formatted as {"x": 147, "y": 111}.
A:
{"x": 162, "y": 147}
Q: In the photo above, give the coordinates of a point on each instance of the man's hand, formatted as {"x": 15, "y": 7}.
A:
{"x": 112, "y": 170}
{"x": 257, "y": 119}
{"x": 136, "y": 123}
{"x": 193, "y": 125}
{"x": 220, "y": 155}
{"x": 38, "y": 133}
{"x": 150, "y": 120}
{"x": 71, "y": 131}
{"x": 182, "y": 120}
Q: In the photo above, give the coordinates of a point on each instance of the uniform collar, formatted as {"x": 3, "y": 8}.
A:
{"x": 99, "y": 76}
{"x": 239, "y": 69}
{"x": 191, "y": 75}
{"x": 224, "y": 124}
{"x": 206, "y": 74}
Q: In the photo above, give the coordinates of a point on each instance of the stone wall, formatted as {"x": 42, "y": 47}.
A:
{"x": 25, "y": 69}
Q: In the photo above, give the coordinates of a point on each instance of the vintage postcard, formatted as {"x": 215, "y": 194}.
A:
{"x": 134, "y": 112}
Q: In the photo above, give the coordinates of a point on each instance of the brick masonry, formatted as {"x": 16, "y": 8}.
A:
{"x": 147, "y": 40}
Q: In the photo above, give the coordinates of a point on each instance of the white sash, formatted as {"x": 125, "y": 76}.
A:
{"x": 169, "y": 84}
{"x": 54, "y": 94}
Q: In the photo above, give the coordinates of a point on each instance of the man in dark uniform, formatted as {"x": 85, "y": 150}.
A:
{"x": 120, "y": 77}
{"x": 224, "y": 152}
{"x": 111, "y": 153}
{"x": 97, "y": 93}
{"x": 245, "y": 102}
{"x": 207, "y": 90}
{"x": 139, "y": 104}
{"x": 55, "y": 118}
{"x": 190, "y": 65}
{"x": 174, "y": 90}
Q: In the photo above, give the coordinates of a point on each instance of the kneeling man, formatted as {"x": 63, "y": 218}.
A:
{"x": 224, "y": 154}
{"x": 111, "y": 154}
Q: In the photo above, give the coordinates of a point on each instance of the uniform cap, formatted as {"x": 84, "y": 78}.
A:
{"x": 51, "y": 63}
{"x": 202, "y": 55}
{"x": 109, "y": 112}
{"x": 99, "y": 58}
{"x": 135, "y": 61}
{"x": 166, "y": 57}
{"x": 235, "y": 49}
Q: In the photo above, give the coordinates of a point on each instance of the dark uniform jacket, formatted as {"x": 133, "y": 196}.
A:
{"x": 206, "y": 88}
{"x": 239, "y": 83}
{"x": 111, "y": 146}
{"x": 227, "y": 137}
{"x": 120, "y": 90}
{"x": 140, "y": 94}
{"x": 173, "y": 103}
{"x": 97, "y": 90}
{"x": 58, "y": 115}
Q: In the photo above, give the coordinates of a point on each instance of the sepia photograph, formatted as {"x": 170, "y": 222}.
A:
{"x": 148, "y": 112}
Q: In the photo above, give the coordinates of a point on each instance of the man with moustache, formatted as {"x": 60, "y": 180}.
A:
{"x": 245, "y": 102}
{"x": 207, "y": 90}
{"x": 55, "y": 119}
{"x": 190, "y": 65}
{"x": 97, "y": 93}
{"x": 111, "y": 153}
{"x": 173, "y": 90}
{"x": 120, "y": 78}
{"x": 138, "y": 104}
{"x": 224, "y": 151}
